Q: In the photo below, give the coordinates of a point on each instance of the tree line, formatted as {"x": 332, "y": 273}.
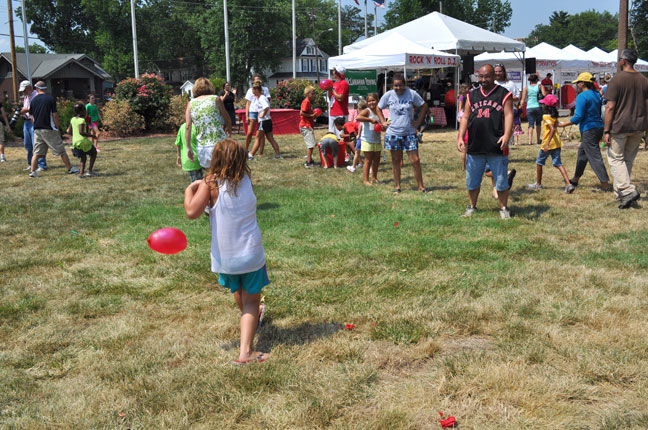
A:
{"x": 260, "y": 32}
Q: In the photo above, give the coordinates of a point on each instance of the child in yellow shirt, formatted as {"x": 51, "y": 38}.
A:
{"x": 551, "y": 144}
{"x": 82, "y": 146}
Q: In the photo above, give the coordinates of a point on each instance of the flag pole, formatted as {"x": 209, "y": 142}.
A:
{"x": 134, "y": 30}
{"x": 366, "y": 33}
{"x": 294, "y": 41}
{"x": 375, "y": 19}
{"x": 339, "y": 27}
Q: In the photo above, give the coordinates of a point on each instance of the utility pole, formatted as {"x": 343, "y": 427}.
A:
{"x": 312, "y": 17}
{"x": 14, "y": 69}
{"x": 134, "y": 39}
{"x": 24, "y": 20}
{"x": 375, "y": 19}
{"x": 623, "y": 29}
{"x": 227, "y": 58}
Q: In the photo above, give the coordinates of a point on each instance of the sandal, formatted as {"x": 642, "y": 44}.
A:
{"x": 258, "y": 359}
{"x": 396, "y": 191}
{"x": 424, "y": 191}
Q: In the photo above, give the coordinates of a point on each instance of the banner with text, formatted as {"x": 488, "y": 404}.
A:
{"x": 431, "y": 61}
{"x": 361, "y": 82}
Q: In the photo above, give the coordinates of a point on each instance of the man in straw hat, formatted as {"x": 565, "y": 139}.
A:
{"x": 626, "y": 120}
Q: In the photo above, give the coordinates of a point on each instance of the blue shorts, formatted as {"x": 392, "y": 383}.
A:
{"x": 251, "y": 282}
{"x": 254, "y": 115}
{"x": 555, "y": 157}
{"x": 359, "y": 144}
{"x": 476, "y": 165}
{"x": 534, "y": 116}
{"x": 400, "y": 143}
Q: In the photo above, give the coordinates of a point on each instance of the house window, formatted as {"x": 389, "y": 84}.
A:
{"x": 184, "y": 75}
{"x": 322, "y": 65}
{"x": 304, "y": 65}
{"x": 166, "y": 76}
{"x": 312, "y": 65}
{"x": 310, "y": 50}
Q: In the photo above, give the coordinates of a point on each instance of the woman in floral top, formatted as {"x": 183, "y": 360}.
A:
{"x": 207, "y": 113}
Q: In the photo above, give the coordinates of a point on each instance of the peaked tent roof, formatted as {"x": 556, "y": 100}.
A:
{"x": 444, "y": 33}
{"x": 577, "y": 53}
{"x": 599, "y": 55}
{"x": 43, "y": 65}
{"x": 394, "y": 51}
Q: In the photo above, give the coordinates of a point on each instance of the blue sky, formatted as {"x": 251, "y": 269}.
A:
{"x": 526, "y": 14}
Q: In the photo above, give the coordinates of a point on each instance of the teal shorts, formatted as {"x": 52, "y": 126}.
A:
{"x": 251, "y": 282}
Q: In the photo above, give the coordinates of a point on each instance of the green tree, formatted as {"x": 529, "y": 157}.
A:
{"x": 494, "y": 15}
{"x": 102, "y": 29}
{"x": 586, "y": 30}
{"x": 639, "y": 22}
{"x": 34, "y": 48}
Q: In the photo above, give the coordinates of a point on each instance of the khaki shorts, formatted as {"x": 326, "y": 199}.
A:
{"x": 44, "y": 139}
{"x": 309, "y": 137}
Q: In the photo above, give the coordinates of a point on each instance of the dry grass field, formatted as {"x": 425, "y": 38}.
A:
{"x": 539, "y": 322}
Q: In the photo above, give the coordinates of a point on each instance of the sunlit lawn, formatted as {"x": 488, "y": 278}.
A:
{"x": 538, "y": 322}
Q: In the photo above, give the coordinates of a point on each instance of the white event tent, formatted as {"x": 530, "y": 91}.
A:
{"x": 444, "y": 33}
{"x": 394, "y": 52}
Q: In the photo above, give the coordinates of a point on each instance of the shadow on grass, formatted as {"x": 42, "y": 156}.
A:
{"x": 531, "y": 212}
{"x": 109, "y": 174}
{"x": 267, "y": 206}
{"x": 270, "y": 335}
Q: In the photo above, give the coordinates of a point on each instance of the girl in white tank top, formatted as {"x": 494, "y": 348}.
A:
{"x": 237, "y": 253}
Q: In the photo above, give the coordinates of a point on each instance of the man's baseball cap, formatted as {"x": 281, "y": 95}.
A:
{"x": 340, "y": 69}
{"x": 549, "y": 100}
{"x": 583, "y": 77}
{"x": 41, "y": 85}
{"x": 24, "y": 85}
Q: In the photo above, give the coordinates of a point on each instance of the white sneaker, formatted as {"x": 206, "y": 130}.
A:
{"x": 72, "y": 171}
{"x": 470, "y": 210}
{"x": 505, "y": 213}
{"x": 40, "y": 169}
{"x": 250, "y": 156}
{"x": 3, "y": 159}
{"x": 350, "y": 169}
{"x": 33, "y": 175}
{"x": 26, "y": 169}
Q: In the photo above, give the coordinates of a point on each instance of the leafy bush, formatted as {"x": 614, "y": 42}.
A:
{"x": 290, "y": 94}
{"x": 120, "y": 119}
{"x": 147, "y": 96}
{"x": 177, "y": 109}
{"x": 65, "y": 108}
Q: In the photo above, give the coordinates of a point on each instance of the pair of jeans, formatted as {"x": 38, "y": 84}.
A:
{"x": 28, "y": 133}
{"x": 589, "y": 151}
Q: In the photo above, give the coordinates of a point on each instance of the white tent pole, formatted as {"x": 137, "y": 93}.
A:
{"x": 26, "y": 41}
{"x": 456, "y": 93}
{"x": 339, "y": 27}
{"x": 366, "y": 32}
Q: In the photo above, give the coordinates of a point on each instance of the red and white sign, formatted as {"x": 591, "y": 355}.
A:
{"x": 431, "y": 61}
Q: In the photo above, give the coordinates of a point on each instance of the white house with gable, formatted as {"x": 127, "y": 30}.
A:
{"x": 306, "y": 64}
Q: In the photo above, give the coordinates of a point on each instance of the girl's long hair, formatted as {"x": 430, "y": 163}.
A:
{"x": 228, "y": 163}
{"x": 550, "y": 110}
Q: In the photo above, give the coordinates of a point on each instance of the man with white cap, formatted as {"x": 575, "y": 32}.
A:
{"x": 626, "y": 120}
{"x": 28, "y": 125}
{"x": 339, "y": 99}
{"x": 46, "y": 134}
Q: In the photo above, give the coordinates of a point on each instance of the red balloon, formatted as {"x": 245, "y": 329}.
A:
{"x": 167, "y": 241}
{"x": 326, "y": 84}
{"x": 377, "y": 128}
{"x": 317, "y": 111}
